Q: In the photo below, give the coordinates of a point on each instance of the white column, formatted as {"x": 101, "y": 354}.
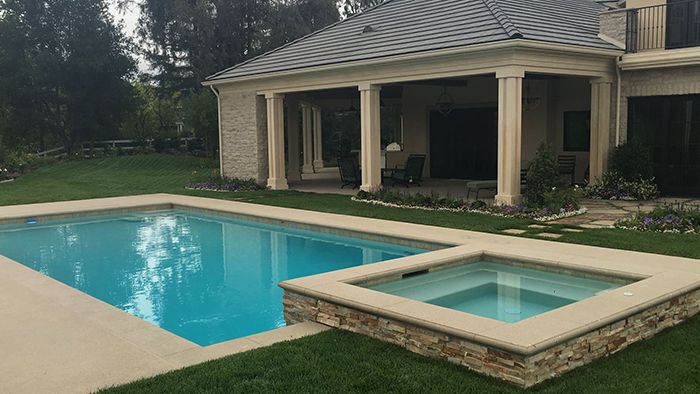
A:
{"x": 293, "y": 142}
{"x": 370, "y": 135}
{"x": 307, "y": 139}
{"x": 510, "y": 95}
{"x": 318, "y": 139}
{"x": 277, "y": 179}
{"x": 600, "y": 127}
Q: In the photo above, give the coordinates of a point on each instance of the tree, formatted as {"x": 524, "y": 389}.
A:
{"x": 291, "y": 19}
{"x": 352, "y": 7}
{"x": 65, "y": 66}
{"x": 142, "y": 121}
{"x": 187, "y": 40}
{"x": 201, "y": 117}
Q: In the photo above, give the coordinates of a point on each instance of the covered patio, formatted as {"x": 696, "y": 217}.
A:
{"x": 452, "y": 122}
{"x": 476, "y": 109}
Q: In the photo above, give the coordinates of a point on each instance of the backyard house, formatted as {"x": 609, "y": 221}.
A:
{"x": 475, "y": 86}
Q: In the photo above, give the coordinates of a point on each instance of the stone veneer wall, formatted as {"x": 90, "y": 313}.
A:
{"x": 613, "y": 24}
{"x": 244, "y": 135}
{"x": 521, "y": 370}
{"x": 656, "y": 82}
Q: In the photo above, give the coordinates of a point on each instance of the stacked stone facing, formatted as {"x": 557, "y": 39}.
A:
{"x": 523, "y": 370}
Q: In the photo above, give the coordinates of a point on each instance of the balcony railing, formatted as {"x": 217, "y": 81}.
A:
{"x": 667, "y": 26}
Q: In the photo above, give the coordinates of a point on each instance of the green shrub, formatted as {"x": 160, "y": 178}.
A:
{"x": 160, "y": 144}
{"x": 542, "y": 176}
{"x": 214, "y": 181}
{"x": 632, "y": 161}
{"x": 567, "y": 198}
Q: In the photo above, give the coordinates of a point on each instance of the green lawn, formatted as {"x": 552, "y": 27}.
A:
{"x": 343, "y": 362}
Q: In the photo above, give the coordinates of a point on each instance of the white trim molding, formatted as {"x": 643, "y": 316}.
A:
{"x": 660, "y": 59}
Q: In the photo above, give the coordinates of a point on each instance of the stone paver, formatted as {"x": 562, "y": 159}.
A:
{"x": 590, "y": 226}
{"x": 604, "y": 223}
{"x": 549, "y": 235}
{"x": 538, "y": 226}
{"x": 572, "y": 230}
{"x": 514, "y": 231}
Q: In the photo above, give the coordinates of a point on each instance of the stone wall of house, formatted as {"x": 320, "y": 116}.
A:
{"x": 244, "y": 135}
{"x": 613, "y": 24}
{"x": 656, "y": 82}
{"x": 521, "y": 370}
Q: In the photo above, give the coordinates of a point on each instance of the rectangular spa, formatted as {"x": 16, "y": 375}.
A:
{"x": 205, "y": 277}
{"x": 517, "y": 316}
{"x": 496, "y": 290}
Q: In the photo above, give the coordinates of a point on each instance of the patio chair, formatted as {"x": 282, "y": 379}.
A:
{"x": 567, "y": 166}
{"x": 350, "y": 174}
{"x": 478, "y": 186}
{"x": 411, "y": 174}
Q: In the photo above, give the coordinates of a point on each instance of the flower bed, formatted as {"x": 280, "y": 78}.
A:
{"x": 437, "y": 203}
{"x": 669, "y": 218}
{"x": 614, "y": 187}
{"x": 225, "y": 184}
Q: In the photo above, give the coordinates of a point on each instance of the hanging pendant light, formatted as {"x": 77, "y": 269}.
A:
{"x": 445, "y": 103}
{"x": 530, "y": 102}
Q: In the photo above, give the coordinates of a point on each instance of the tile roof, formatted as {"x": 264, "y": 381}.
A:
{"x": 398, "y": 27}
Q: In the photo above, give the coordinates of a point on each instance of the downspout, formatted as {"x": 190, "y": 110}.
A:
{"x": 617, "y": 102}
{"x": 221, "y": 147}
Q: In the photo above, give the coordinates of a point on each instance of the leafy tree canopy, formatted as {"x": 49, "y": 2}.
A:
{"x": 64, "y": 67}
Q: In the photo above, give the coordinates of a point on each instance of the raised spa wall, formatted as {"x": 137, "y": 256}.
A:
{"x": 523, "y": 370}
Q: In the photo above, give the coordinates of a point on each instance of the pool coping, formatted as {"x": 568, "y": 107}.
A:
{"x": 525, "y": 337}
{"x": 661, "y": 278}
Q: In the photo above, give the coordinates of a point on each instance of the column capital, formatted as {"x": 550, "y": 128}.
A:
{"x": 364, "y": 86}
{"x": 604, "y": 79}
{"x": 274, "y": 96}
{"x": 510, "y": 72}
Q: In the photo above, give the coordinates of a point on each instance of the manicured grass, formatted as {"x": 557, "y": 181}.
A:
{"x": 343, "y": 362}
{"x": 113, "y": 176}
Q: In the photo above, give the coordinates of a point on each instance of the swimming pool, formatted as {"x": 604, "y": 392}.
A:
{"x": 207, "y": 278}
{"x": 496, "y": 290}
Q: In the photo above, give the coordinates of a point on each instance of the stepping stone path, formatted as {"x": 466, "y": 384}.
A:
{"x": 549, "y": 235}
{"x": 514, "y": 231}
{"x": 538, "y": 226}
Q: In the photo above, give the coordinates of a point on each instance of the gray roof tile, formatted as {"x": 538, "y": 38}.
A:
{"x": 409, "y": 26}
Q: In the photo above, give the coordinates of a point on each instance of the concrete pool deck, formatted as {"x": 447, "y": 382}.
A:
{"x": 58, "y": 339}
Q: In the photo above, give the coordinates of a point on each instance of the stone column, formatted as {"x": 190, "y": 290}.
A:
{"x": 318, "y": 139}
{"x": 370, "y": 135}
{"x": 277, "y": 179}
{"x": 293, "y": 140}
{"x": 601, "y": 89}
{"x": 243, "y": 137}
{"x": 510, "y": 99}
{"x": 307, "y": 139}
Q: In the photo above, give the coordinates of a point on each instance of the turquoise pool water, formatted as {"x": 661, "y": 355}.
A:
{"x": 497, "y": 291}
{"x": 203, "y": 277}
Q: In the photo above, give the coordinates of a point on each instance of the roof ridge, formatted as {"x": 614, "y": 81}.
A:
{"x": 215, "y": 75}
{"x": 503, "y": 19}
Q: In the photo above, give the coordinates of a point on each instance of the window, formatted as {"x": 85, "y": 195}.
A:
{"x": 577, "y": 131}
